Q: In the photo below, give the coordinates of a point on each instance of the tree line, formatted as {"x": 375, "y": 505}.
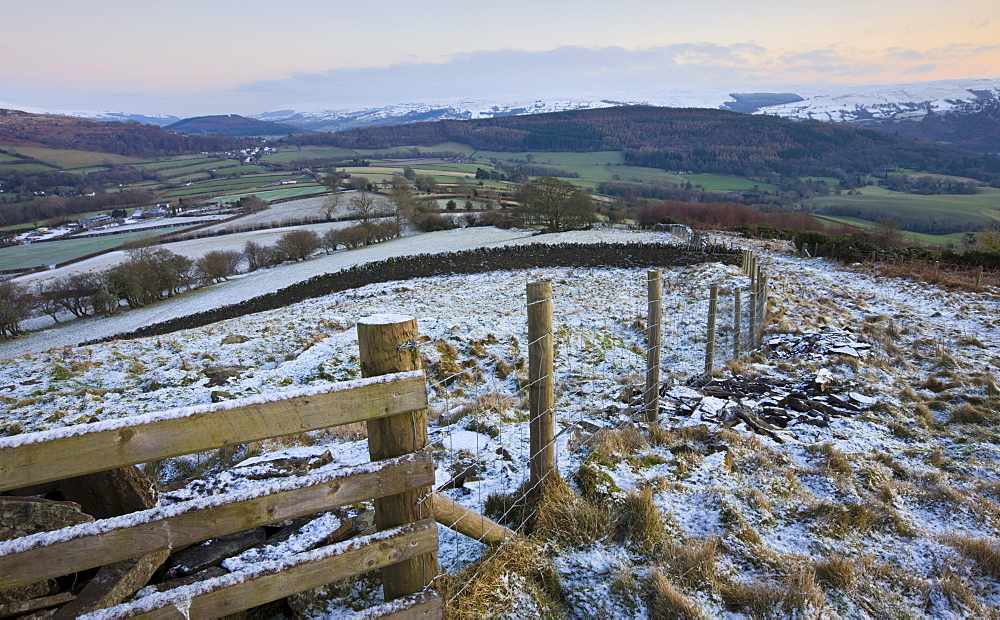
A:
{"x": 704, "y": 140}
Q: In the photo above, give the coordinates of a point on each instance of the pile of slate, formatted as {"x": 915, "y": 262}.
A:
{"x": 816, "y": 345}
{"x": 764, "y": 405}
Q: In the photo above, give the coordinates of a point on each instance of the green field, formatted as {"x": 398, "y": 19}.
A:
{"x": 65, "y": 158}
{"x": 298, "y": 191}
{"x": 50, "y": 253}
{"x": 199, "y": 167}
{"x": 197, "y": 176}
{"x": 449, "y": 167}
{"x": 223, "y": 186}
{"x": 938, "y": 240}
{"x": 453, "y": 147}
{"x": 287, "y": 155}
{"x": 5, "y": 157}
{"x": 179, "y": 161}
{"x": 978, "y": 208}
{"x": 7, "y": 168}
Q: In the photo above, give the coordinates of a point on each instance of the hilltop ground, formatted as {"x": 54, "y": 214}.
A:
{"x": 888, "y": 507}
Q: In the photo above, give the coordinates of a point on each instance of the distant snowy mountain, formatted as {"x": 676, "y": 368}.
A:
{"x": 341, "y": 119}
{"x": 969, "y": 108}
{"x": 146, "y": 119}
{"x": 893, "y": 102}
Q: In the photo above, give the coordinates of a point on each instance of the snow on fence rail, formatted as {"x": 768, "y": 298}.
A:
{"x": 390, "y": 404}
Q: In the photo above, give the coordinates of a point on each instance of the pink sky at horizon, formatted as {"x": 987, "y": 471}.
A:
{"x": 231, "y": 50}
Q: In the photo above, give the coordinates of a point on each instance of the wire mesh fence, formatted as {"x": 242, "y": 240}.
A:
{"x": 482, "y": 386}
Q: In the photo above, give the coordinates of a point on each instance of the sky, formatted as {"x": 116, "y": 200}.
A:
{"x": 195, "y": 57}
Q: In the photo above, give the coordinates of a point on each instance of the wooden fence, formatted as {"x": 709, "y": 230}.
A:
{"x": 408, "y": 536}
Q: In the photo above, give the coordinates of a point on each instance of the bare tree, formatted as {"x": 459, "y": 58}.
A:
{"x": 365, "y": 206}
{"x": 253, "y": 252}
{"x": 331, "y": 204}
{"x": 332, "y": 238}
{"x": 15, "y": 305}
{"x": 556, "y": 204}
{"x": 298, "y": 244}
{"x": 218, "y": 265}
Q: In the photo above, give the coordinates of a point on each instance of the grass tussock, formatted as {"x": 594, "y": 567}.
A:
{"x": 614, "y": 446}
{"x": 840, "y": 520}
{"x": 640, "y": 522}
{"x": 835, "y": 461}
{"x": 597, "y": 485}
{"x": 517, "y": 579}
{"x": 973, "y": 413}
{"x": 799, "y": 595}
{"x": 837, "y": 571}
{"x": 565, "y": 518}
{"x": 691, "y": 563}
{"x": 669, "y": 602}
{"x": 984, "y": 555}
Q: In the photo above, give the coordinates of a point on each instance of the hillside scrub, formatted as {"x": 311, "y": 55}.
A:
{"x": 891, "y": 511}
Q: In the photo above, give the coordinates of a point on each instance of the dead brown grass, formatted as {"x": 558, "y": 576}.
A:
{"x": 837, "y": 571}
{"x": 497, "y": 585}
{"x": 670, "y": 602}
{"x": 982, "y": 552}
{"x": 640, "y": 522}
{"x": 691, "y": 563}
{"x": 565, "y": 518}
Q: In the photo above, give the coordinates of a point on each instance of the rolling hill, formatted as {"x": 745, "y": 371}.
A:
{"x": 19, "y": 128}
{"x": 233, "y": 125}
{"x": 700, "y": 140}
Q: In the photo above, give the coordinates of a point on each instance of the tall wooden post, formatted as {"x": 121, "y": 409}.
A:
{"x": 751, "y": 339}
{"x": 979, "y": 276}
{"x": 541, "y": 388}
{"x": 386, "y": 345}
{"x": 713, "y": 307}
{"x": 654, "y": 331}
{"x": 737, "y": 321}
{"x": 761, "y": 306}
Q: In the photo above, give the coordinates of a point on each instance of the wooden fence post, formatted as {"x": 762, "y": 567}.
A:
{"x": 713, "y": 307}
{"x": 737, "y": 321}
{"x": 541, "y": 382}
{"x": 654, "y": 331}
{"x": 387, "y": 345}
{"x": 761, "y": 307}
{"x": 979, "y": 276}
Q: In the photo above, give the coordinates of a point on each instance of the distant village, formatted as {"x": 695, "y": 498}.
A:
{"x": 117, "y": 222}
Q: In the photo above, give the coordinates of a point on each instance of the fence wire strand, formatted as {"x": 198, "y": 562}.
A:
{"x": 619, "y": 346}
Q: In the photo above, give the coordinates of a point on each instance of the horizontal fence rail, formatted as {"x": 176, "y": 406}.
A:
{"x": 304, "y": 571}
{"x": 38, "y": 556}
{"x": 62, "y": 453}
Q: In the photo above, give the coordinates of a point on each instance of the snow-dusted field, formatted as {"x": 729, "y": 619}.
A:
{"x": 892, "y": 512}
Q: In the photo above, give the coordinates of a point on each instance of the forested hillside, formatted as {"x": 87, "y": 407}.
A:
{"x": 232, "y": 125}
{"x": 702, "y": 140}
{"x": 23, "y": 129}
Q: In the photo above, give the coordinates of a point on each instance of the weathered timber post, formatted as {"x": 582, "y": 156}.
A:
{"x": 387, "y": 345}
{"x": 751, "y": 338}
{"x": 541, "y": 381}
{"x": 713, "y": 306}
{"x": 654, "y": 331}
{"x": 979, "y": 276}
{"x": 761, "y": 307}
{"x": 737, "y": 322}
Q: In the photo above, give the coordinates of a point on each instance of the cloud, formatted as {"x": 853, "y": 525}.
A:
{"x": 519, "y": 72}
{"x": 567, "y": 71}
